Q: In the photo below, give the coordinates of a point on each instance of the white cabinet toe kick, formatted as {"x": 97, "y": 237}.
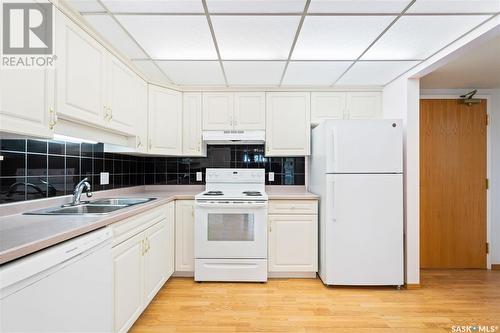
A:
{"x": 246, "y": 270}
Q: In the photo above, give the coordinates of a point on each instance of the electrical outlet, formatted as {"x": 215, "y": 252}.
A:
{"x": 271, "y": 176}
{"x": 199, "y": 176}
{"x": 104, "y": 178}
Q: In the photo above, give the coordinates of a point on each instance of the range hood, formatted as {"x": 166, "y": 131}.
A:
{"x": 234, "y": 137}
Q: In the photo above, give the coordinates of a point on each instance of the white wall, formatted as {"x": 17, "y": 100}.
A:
{"x": 493, "y": 160}
{"x": 401, "y": 100}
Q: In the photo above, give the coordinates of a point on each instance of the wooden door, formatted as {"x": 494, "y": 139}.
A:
{"x": 452, "y": 184}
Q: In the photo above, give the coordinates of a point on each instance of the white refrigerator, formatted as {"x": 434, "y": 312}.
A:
{"x": 357, "y": 170}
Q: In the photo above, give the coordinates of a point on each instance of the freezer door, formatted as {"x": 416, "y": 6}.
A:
{"x": 364, "y": 146}
{"x": 364, "y": 229}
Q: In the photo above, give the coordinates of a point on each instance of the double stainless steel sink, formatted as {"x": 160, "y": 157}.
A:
{"x": 97, "y": 207}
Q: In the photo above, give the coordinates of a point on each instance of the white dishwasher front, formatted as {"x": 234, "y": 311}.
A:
{"x": 65, "y": 288}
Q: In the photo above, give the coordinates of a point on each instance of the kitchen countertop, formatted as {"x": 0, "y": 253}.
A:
{"x": 21, "y": 235}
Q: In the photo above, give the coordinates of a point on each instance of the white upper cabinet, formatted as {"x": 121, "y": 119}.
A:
{"x": 192, "y": 144}
{"x": 218, "y": 111}
{"x": 327, "y": 105}
{"x": 234, "y": 111}
{"x": 122, "y": 102}
{"x": 80, "y": 81}
{"x": 165, "y": 121}
{"x": 249, "y": 111}
{"x": 363, "y": 105}
{"x": 288, "y": 124}
{"x": 140, "y": 140}
{"x": 27, "y": 102}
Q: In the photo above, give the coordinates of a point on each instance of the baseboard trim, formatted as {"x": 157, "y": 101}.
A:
{"x": 495, "y": 267}
{"x": 412, "y": 286}
{"x": 291, "y": 275}
{"x": 183, "y": 274}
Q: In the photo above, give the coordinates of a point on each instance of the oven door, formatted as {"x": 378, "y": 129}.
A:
{"x": 230, "y": 230}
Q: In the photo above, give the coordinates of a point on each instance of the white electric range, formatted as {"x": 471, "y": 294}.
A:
{"x": 231, "y": 226}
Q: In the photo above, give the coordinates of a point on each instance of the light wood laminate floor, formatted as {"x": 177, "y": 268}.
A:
{"x": 446, "y": 298}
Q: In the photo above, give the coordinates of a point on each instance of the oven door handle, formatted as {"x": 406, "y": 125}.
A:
{"x": 232, "y": 205}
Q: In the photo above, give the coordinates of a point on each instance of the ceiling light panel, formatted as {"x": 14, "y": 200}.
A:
{"x": 115, "y": 35}
{"x": 418, "y": 37}
{"x": 256, "y": 6}
{"x": 193, "y": 72}
{"x": 375, "y": 73}
{"x": 357, "y": 6}
{"x": 170, "y": 37}
{"x": 154, "y": 6}
{"x": 85, "y": 6}
{"x": 255, "y": 37}
{"x": 254, "y": 73}
{"x": 455, "y": 6}
{"x": 315, "y": 73}
{"x": 151, "y": 71}
{"x": 338, "y": 37}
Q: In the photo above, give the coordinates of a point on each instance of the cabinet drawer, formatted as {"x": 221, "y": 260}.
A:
{"x": 127, "y": 228}
{"x": 293, "y": 207}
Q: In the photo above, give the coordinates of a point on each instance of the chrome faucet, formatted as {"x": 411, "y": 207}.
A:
{"x": 79, "y": 188}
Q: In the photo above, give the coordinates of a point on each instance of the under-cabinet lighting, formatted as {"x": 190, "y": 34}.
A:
{"x": 60, "y": 137}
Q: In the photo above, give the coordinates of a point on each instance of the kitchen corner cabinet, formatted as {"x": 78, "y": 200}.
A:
{"x": 184, "y": 236}
{"x": 27, "y": 102}
{"x": 140, "y": 140}
{"x": 234, "y": 111}
{"x": 143, "y": 259}
{"x": 192, "y": 143}
{"x": 293, "y": 236}
{"x": 165, "y": 121}
{"x": 288, "y": 124}
{"x": 345, "y": 105}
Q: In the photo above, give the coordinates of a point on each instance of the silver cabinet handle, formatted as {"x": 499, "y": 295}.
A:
{"x": 53, "y": 118}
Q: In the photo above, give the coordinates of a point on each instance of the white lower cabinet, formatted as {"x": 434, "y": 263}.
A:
{"x": 293, "y": 238}
{"x": 143, "y": 260}
{"x": 184, "y": 236}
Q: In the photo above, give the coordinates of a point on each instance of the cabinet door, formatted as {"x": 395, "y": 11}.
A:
{"x": 80, "y": 74}
{"x": 122, "y": 102}
{"x": 363, "y": 105}
{"x": 250, "y": 111}
{"x": 140, "y": 140}
{"x": 293, "y": 243}
{"x": 192, "y": 144}
{"x": 128, "y": 282}
{"x": 155, "y": 259}
{"x": 27, "y": 101}
{"x": 184, "y": 235}
{"x": 165, "y": 121}
{"x": 218, "y": 111}
{"x": 327, "y": 105}
{"x": 171, "y": 239}
{"x": 288, "y": 124}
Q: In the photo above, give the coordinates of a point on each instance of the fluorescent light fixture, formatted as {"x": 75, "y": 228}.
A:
{"x": 60, "y": 137}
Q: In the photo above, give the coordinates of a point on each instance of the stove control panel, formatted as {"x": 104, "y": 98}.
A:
{"x": 255, "y": 176}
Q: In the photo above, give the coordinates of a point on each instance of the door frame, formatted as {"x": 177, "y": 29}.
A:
{"x": 488, "y": 162}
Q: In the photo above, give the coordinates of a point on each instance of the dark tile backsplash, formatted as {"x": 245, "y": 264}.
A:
{"x": 33, "y": 169}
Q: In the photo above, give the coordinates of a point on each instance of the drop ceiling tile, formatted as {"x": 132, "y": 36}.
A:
{"x": 338, "y": 37}
{"x": 170, "y": 37}
{"x": 376, "y": 73}
{"x": 85, "y": 6}
{"x": 255, "y": 37}
{"x": 193, "y": 72}
{"x": 418, "y": 37}
{"x": 151, "y": 71}
{"x": 357, "y": 6}
{"x": 114, "y": 34}
{"x": 154, "y": 6}
{"x": 316, "y": 73}
{"x": 253, "y": 73}
{"x": 256, "y": 6}
{"x": 455, "y": 6}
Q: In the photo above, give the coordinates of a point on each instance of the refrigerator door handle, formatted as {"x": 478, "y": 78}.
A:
{"x": 333, "y": 150}
{"x": 331, "y": 196}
